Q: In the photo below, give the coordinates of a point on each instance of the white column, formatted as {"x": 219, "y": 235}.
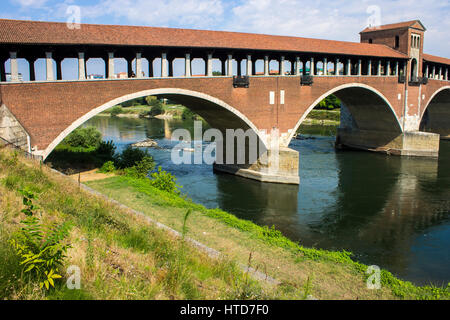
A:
{"x": 187, "y": 65}
{"x": 359, "y": 67}
{"x": 388, "y": 68}
{"x": 369, "y": 68}
{"x": 14, "y": 67}
{"x": 440, "y": 73}
{"x": 397, "y": 69}
{"x": 230, "y": 65}
{"x": 325, "y": 67}
{"x": 349, "y": 67}
{"x": 379, "y": 68}
{"x": 139, "y": 65}
{"x": 81, "y": 66}
{"x": 49, "y": 66}
{"x": 249, "y": 65}
{"x": 282, "y": 72}
{"x": 209, "y": 65}
{"x": 111, "y": 73}
{"x": 446, "y": 74}
{"x": 434, "y": 72}
{"x": 297, "y": 66}
{"x": 311, "y": 67}
{"x": 336, "y": 67}
{"x": 164, "y": 64}
{"x": 266, "y": 65}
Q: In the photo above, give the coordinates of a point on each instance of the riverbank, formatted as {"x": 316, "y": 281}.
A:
{"x": 330, "y": 275}
{"x": 300, "y": 271}
{"x": 171, "y": 111}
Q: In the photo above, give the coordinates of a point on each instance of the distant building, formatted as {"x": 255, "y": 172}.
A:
{"x": 9, "y": 78}
{"x": 121, "y": 75}
{"x": 95, "y": 76}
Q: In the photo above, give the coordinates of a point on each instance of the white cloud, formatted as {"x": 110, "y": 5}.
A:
{"x": 339, "y": 20}
{"x": 187, "y": 13}
{"x": 30, "y": 3}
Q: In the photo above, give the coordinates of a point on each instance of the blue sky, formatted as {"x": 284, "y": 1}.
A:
{"x": 324, "y": 19}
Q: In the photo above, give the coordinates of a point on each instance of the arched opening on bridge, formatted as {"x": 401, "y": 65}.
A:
{"x": 198, "y": 67}
{"x": 178, "y": 67}
{"x": 157, "y": 67}
{"x": 320, "y": 68}
{"x": 364, "y": 114}
{"x": 120, "y": 68}
{"x": 259, "y": 67}
{"x": 436, "y": 117}
{"x": 218, "y": 114}
{"x": 414, "y": 71}
{"x": 95, "y": 68}
{"x": 274, "y": 67}
{"x": 69, "y": 69}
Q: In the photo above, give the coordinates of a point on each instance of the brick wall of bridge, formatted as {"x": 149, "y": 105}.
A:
{"x": 46, "y": 109}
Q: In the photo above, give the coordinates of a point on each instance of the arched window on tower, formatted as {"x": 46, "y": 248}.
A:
{"x": 397, "y": 42}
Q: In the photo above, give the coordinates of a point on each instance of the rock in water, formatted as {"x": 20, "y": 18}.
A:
{"x": 149, "y": 143}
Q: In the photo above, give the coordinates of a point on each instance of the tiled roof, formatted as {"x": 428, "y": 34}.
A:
{"x": 34, "y": 32}
{"x": 430, "y": 58}
{"x": 400, "y": 25}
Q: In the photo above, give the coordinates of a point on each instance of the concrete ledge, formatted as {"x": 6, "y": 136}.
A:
{"x": 412, "y": 144}
{"x": 256, "y": 175}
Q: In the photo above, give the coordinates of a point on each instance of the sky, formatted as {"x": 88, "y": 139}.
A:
{"x": 323, "y": 19}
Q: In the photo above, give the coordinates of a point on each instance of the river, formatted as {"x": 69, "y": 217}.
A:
{"x": 389, "y": 211}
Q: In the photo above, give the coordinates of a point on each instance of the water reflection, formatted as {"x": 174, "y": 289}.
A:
{"x": 389, "y": 211}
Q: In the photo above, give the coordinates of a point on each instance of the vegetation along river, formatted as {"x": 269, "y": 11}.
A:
{"x": 389, "y": 211}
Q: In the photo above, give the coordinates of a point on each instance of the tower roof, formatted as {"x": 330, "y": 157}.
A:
{"x": 415, "y": 24}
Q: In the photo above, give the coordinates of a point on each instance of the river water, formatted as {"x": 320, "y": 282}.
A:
{"x": 389, "y": 211}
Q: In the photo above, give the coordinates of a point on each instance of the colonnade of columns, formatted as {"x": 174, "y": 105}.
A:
{"x": 434, "y": 71}
{"x": 344, "y": 66}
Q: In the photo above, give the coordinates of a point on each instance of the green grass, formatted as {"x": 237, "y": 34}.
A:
{"x": 121, "y": 256}
{"x": 142, "y": 190}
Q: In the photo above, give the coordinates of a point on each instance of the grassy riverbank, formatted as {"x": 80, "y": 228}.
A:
{"x": 326, "y": 275}
{"x": 122, "y": 256}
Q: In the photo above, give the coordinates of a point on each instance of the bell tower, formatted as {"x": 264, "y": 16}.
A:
{"x": 406, "y": 37}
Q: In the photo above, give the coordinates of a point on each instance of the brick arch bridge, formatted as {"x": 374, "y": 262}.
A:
{"x": 385, "y": 102}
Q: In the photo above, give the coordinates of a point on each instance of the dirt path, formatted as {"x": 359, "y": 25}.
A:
{"x": 91, "y": 175}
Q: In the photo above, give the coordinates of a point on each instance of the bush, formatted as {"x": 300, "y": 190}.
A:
{"x": 141, "y": 169}
{"x": 107, "y": 167}
{"x": 164, "y": 181}
{"x": 116, "y": 110}
{"x": 129, "y": 157}
{"x": 188, "y": 114}
{"x": 88, "y": 137}
{"x": 41, "y": 253}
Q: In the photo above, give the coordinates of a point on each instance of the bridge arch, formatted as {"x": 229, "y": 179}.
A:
{"x": 216, "y": 112}
{"x": 436, "y": 114}
{"x": 363, "y": 102}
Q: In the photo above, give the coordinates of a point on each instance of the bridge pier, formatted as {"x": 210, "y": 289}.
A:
{"x": 416, "y": 144}
{"x": 275, "y": 166}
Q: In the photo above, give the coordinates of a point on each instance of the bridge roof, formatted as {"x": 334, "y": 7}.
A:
{"x": 56, "y": 33}
{"x": 436, "y": 59}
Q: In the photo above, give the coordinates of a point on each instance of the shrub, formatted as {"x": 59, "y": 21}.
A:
{"x": 164, "y": 181}
{"x": 129, "y": 157}
{"x": 41, "y": 254}
{"x": 88, "y": 137}
{"x": 141, "y": 169}
{"x": 107, "y": 167}
{"x": 115, "y": 111}
{"x": 188, "y": 114}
